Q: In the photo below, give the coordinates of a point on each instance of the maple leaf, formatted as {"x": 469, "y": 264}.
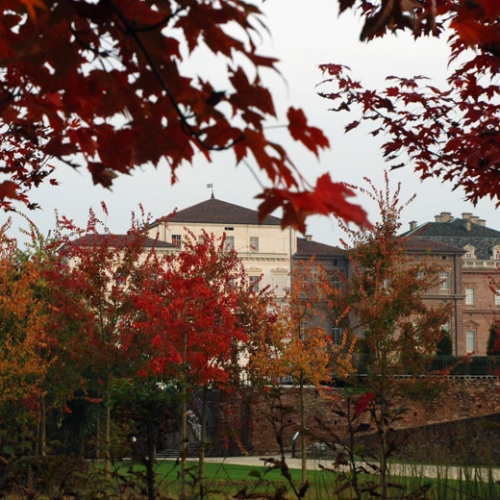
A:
{"x": 312, "y": 137}
{"x": 345, "y": 4}
{"x": 326, "y": 198}
{"x": 363, "y": 403}
{"x": 9, "y": 189}
{"x": 101, "y": 174}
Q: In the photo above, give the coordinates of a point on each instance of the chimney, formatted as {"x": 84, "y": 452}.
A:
{"x": 413, "y": 225}
{"x": 443, "y": 217}
{"x": 468, "y": 224}
{"x": 474, "y": 218}
{"x": 309, "y": 237}
{"x": 481, "y": 222}
{"x": 466, "y": 215}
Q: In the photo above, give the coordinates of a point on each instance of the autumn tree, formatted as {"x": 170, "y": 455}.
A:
{"x": 96, "y": 275}
{"x": 22, "y": 324}
{"x": 61, "y": 379}
{"x": 299, "y": 348}
{"x": 397, "y": 330}
{"x": 107, "y": 84}
{"x": 24, "y": 366}
{"x": 445, "y": 131}
{"x": 192, "y": 318}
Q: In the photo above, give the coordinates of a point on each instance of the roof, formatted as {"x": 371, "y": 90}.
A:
{"x": 308, "y": 248}
{"x": 459, "y": 233}
{"x": 422, "y": 245}
{"x": 116, "y": 240}
{"x": 454, "y": 228}
{"x": 213, "y": 211}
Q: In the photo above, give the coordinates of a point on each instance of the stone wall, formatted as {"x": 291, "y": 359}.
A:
{"x": 275, "y": 421}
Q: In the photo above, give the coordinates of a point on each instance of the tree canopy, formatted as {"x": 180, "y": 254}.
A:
{"x": 104, "y": 85}
{"x": 448, "y": 132}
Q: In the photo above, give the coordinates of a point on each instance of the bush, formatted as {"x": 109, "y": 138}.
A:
{"x": 493, "y": 346}
{"x": 445, "y": 345}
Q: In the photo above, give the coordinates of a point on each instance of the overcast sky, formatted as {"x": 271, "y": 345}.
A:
{"x": 303, "y": 35}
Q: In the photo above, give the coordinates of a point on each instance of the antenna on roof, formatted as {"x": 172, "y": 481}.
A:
{"x": 211, "y": 186}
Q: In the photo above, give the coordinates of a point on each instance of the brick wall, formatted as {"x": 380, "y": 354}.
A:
{"x": 272, "y": 420}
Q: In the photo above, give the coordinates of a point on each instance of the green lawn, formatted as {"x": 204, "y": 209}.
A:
{"x": 227, "y": 480}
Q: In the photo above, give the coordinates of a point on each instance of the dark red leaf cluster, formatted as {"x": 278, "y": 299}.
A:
{"x": 449, "y": 132}
{"x": 104, "y": 85}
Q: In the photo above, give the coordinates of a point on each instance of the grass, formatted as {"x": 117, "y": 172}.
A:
{"x": 227, "y": 481}
{"x": 224, "y": 481}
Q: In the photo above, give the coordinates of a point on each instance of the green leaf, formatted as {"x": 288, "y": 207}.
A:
{"x": 8, "y": 449}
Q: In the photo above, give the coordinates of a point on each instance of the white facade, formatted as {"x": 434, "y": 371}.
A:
{"x": 265, "y": 249}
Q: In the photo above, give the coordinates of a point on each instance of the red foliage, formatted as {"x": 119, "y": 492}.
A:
{"x": 363, "y": 403}
{"x": 449, "y": 133}
{"x": 190, "y": 313}
{"x": 105, "y": 83}
{"x": 91, "y": 285}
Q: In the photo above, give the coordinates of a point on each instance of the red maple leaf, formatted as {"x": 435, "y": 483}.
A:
{"x": 312, "y": 137}
{"x": 363, "y": 402}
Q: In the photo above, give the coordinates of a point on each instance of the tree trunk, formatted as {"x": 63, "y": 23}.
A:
{"x": 151, "y": 445}
{"x": 303, "y": 431}
{"x": 184, "y": 433}
{"x": 107, "y": 439}
{"x": 203, "y": 441}
{"x": 43, "y": 428}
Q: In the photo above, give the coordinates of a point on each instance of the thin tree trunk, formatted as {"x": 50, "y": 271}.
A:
{"x": 38, "y": 432}
{"x": 184, "y": 432}
{"x": 203, "y": 441}
{"x": 303, "y": 431}
{"x": 151, "y": 445}
{"x": 43, "y": 428}
{"x": 107, "y": 441}
{"x": 352, "y": 444}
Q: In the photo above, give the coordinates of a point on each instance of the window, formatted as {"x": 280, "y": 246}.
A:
{"x": 337, "y": 335}
{"x": 470, "y": 341}
{"x": 303, "y": 329}
{"x": 335, "y": 282}
{"x": 229, "y": 243}
{"x": 444, "y": 278}
{"x": 445, "y": 327}
{"x": 495, "y": 252}
{"x": 254, "y": 283}
{"x": 469, "y": 296}
{"x": 469, "y": 252}
{"x": 177, "y": 240}
{"x": 497, "y": 298}
{"x": 302, "y": 287}
{"x": 254, "y": 244}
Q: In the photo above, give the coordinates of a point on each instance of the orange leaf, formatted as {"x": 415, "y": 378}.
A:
{"x": 32, "y": 5}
